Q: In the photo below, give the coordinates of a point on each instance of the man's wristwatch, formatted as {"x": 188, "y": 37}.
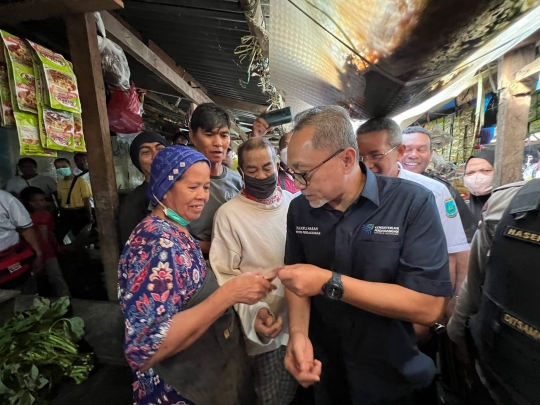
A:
{"x": 333, "y": 289}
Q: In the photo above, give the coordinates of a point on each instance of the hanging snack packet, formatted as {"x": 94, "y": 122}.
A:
{"x": 59, "y": 126}
{"x": 6, "y": 110}
{"x": 39, "y": 84}
{"x": 20, "y": 57}
{"x": 41, "y": 129}
{"x": 27, "y": 128}
{"x": 61, "y": 84}
{"x": 39, "y": 97}
{"x": 78, "y": 137}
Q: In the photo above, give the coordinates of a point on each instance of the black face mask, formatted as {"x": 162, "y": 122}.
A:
{"x": 260, "y": 188}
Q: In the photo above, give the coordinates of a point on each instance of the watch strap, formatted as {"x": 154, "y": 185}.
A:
{"x": 336, "y": 278}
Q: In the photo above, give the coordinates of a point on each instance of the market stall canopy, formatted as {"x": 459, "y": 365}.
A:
{"x": 201, "y": 36}
{"x": 381, "y": 57}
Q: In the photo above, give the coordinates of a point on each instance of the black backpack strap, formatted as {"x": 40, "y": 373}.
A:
{"x": 68, "y": 199}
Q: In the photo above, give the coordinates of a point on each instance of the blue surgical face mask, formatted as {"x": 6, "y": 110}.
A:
{"x": 64, "y": 171}
{"x": 173, "y": 215}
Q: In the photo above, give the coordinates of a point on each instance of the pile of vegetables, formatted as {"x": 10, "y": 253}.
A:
{"x": 38, "y": 349}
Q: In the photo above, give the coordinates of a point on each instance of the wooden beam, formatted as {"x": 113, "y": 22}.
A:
{"x": 29, "y": 10}
{"x": 256, "y": 23}
{"x": 164, "y": 103}
{"x": 532, "y": 68}
{"x": 512, "y": 118}
{"x": 154, "y": 110}
{"x": 144, "y": 55}
{"x": 471, "y": 93}
{"x": 233, "y": 103}
{"x": 82, "y": 35}
{"x": 118, "y": 18}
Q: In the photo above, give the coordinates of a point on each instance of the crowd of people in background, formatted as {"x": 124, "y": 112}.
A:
{"x": 348, "y": 281}
{"x": 40, "y": 217}
{"x": 248, "y": 276}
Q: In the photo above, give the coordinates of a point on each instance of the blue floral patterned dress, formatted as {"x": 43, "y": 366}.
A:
{"x": 160, "y": 270}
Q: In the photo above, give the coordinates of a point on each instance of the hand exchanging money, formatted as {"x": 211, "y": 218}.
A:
{"x": 266, "y": 324}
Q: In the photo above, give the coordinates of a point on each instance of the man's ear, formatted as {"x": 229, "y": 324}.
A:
{"x": 191, "y": 135}
{"x": 401, "y": 152}
{"x": 350, "y": 158}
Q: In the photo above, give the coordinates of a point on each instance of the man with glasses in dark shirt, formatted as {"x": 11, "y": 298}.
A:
{"x": 365, "y": 259}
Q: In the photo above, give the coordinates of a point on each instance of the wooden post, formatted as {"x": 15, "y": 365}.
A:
{"x": 86, "y": 59}
{"x": 512, "y": 118}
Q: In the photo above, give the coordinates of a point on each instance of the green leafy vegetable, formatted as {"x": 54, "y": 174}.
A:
{"x": 39, "y": 349}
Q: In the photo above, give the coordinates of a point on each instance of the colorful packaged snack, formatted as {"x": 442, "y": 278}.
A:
{"x": 6, "y": 110}
{"x": 61, "y": 83}
{"x": 78, "y": 138}
{"x": 27, "y": 129}
{"x": 59, "y": 126}
{"x": 23, "y": 87}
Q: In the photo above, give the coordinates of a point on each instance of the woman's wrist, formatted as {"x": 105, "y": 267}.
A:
{"x": 225, "y": 295}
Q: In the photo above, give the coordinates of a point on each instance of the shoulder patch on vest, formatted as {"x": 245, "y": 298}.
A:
{"x": 521, "y": 326}
{"x": 450, "y": 206}
{"x": 522, "y": 234}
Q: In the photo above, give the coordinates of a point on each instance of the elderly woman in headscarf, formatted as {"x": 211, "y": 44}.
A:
{"x": 142, "y": 151}
{"x": 183, "y": 339}
{"x": 478, "y": 179}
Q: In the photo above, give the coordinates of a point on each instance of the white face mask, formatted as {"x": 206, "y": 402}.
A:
{"x": 479, "y": 184}
{"x": 283, "y": 156}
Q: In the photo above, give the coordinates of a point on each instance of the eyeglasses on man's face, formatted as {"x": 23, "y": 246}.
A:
{"x": 376, "y": 157}
{"x": 302, "y": 177}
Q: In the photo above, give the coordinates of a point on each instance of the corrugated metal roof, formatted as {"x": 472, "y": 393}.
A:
{"x": 201, "y": 36}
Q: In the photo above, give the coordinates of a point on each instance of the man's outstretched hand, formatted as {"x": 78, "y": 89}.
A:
{"x": 299, "y": 360}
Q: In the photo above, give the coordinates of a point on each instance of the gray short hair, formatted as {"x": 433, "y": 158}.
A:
{"x": 256, "y": 144}
{"x": 418, "y": 130}
{"x": 382, "y": 124}
{"x": 333, "y": 128}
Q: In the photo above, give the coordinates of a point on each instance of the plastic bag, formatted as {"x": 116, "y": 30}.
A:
{"x": 113, "y": 59}
{"x": 123, "y": 111}
{"x": 114, "y": 63}
{"x": 126, "y": 138}
{"x": 100, "y": 26}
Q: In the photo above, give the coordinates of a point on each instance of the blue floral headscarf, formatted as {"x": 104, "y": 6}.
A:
{"x": 168, "y": 166}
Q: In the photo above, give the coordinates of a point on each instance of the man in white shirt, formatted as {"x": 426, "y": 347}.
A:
{"x": 380, "y": 144}
{"x": 249, "y": 235}
{"x": 30, "y": 178}
{"x": 15, "y": 222}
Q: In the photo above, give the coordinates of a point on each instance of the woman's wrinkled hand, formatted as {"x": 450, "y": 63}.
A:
{"x": 249, "y": 288}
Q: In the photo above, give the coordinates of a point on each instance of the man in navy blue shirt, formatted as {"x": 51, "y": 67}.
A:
{"x": 365, "y": 258}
